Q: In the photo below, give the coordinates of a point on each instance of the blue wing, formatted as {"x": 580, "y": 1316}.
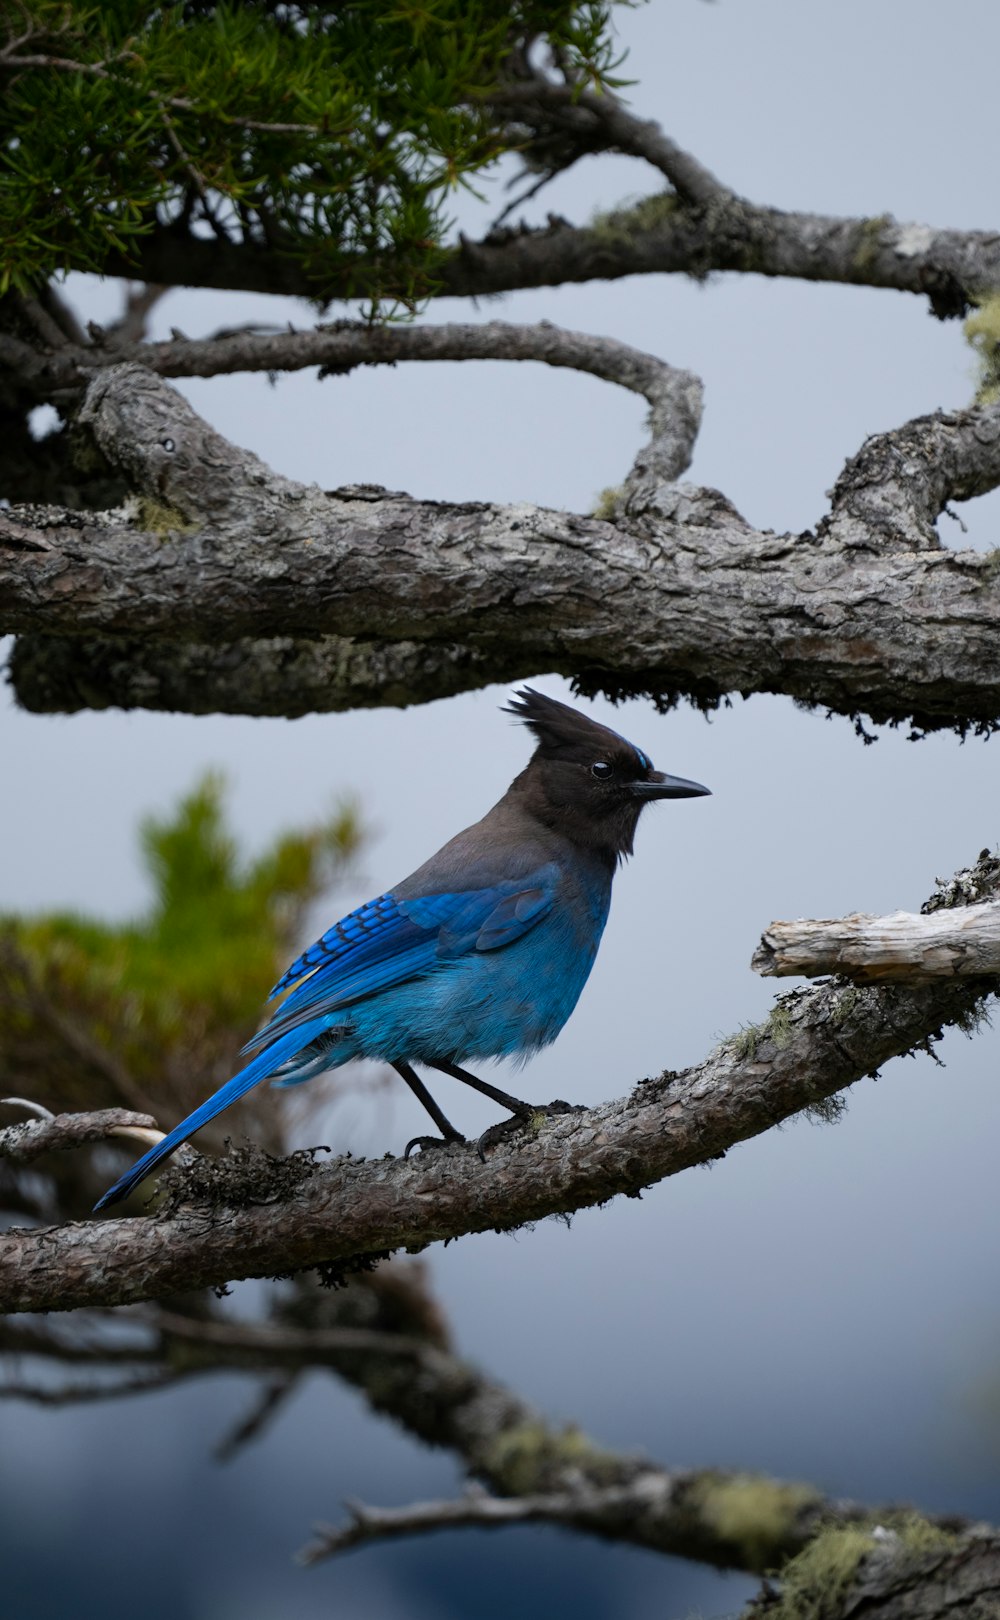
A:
{"x": 366, "y": 933}
{"x": 382, "y": 943}
{"x": 389, "y": 940}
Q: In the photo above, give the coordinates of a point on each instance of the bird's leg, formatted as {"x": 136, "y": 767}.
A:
{"x": 443, "y": 1124}
{"x": 521, "y": 1111}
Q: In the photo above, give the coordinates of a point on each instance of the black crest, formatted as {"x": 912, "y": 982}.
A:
{"x": 565, "y": 733}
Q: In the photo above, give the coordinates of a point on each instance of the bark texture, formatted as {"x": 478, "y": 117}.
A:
{"x": 892, "y": 1574}
{"x": 867, "y": 949}
{"x": 662, "y": 235}
{"x": 677, "y": 596}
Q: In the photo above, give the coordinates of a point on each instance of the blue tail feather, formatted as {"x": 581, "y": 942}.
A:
{"x": 262, "y": 1066}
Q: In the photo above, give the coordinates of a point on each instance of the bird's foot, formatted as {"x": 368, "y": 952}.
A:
{"x": 528, "y": 1120}
{"x": 425, "y": 1143}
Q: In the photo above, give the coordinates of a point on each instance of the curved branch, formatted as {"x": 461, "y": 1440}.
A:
{"x": 231, "y": 1220}
{"x": 674, "y": 396}
{"x": 603, "y": 123}
{"x": 866, "y": 615}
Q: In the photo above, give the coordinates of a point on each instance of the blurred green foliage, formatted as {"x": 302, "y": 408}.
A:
{"x": 322, "y": 132}
{"x": 983, "y": 331}
{"x": 151, "y": 1014}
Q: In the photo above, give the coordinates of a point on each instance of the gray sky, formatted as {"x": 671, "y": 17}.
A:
{"x": 815, "y": 1304}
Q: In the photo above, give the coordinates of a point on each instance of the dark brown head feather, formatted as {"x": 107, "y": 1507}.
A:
{"x": 565, "y": 733}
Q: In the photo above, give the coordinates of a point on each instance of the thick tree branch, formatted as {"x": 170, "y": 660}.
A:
{"x": 867, "y": 614}
{"x": 903, "y": 1568}
{"x": 257, "y": 1216}
{"x": 277, "y": 675}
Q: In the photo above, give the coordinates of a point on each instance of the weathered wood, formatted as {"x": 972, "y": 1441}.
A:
{"x": 678, "y": 595}
{"x": 904, "y": 946}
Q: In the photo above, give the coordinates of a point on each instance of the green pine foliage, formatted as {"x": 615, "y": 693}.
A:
{"x": 327, "y": 133}
{"x": 150, "y": 1014}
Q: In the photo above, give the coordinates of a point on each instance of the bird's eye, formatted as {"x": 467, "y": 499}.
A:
{"x": 602, "y": 770}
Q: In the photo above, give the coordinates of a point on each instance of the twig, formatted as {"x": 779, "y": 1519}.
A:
{"x": 38, "y": 1109}
{"x": 584, "y": 111}
{"x": 24, "y": 1143}
{"x": 266, "y": 1408}
{"x": 480, "y": 1511}
{"x": 87, "y": 1394}
{"x": 11, "y": 63}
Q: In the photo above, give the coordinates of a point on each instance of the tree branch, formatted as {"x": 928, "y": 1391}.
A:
{"x": 731, "y": 1520}
{"x": 902, "y": 947}
{"x": 252, "y": 1215}
{"x": 30, "y": 1140}
{"x": 674, "y": 396}
{"x": 269, "y": 1404}
{"x": 601, "y": 122}
{"x": 869, "y": 614}
{"x": 276, "y": 675}
{"x": 384, "y": 1334}
{"x": 598, "y": 1510}
{"x": 661, "y": 235}
{"x": 956, "y": 935}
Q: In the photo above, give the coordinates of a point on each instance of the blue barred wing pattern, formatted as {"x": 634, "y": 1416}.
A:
{"x": 388, "y": 941}
{"x": 360, "y": 928}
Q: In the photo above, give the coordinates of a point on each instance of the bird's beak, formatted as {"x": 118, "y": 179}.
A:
{"x": 660, "y": 786}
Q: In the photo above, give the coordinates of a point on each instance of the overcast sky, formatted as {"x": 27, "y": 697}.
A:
{"x": 821, "y": 1304}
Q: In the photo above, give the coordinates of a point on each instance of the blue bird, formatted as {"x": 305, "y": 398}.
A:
{"x": 482, "y": 952}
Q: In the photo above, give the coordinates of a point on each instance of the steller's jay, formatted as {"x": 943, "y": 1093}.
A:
{"x": 481, "y": 953}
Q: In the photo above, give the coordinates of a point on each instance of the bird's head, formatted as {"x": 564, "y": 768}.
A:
{"x": 585, "y": 779}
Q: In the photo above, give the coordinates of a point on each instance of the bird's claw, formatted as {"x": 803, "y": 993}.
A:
{"x": 424, "y": 1143}
{"x": 506, "y": 1128}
